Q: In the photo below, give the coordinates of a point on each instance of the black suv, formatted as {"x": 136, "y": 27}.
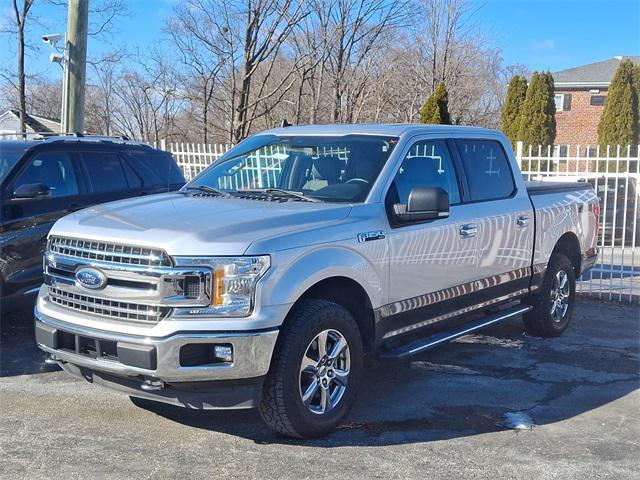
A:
{"x": 43, "y": 180}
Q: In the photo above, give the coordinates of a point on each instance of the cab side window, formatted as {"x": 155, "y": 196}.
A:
{"x": 487, "y": 168}
{"x": 53, "y": 169}
{"x": 428, "y": 164}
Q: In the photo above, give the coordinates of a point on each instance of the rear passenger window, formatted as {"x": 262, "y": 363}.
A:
{"x": 106, "y": 173}
{"x": 488, "y": 170}
{"x": 133, "y": 179}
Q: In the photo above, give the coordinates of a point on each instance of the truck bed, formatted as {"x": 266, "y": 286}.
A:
{"x": 540, "y": 188}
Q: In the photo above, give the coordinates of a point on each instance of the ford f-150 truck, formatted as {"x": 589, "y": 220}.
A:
{"x": 266, "y": 280}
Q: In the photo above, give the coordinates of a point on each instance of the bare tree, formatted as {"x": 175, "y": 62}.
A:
{"x": 103, "y": 14}
{"x": 358, "y": 28}
{"x": 148, "y": 99}
{"x": 245, "y": 40}
{"x": 21, "y": 13}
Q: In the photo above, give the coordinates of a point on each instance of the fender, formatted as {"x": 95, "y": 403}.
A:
{"x": 298, "y": 270}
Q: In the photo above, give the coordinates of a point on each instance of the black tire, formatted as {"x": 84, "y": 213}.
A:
{"x": 540, "y": 322}
{"x": 282, "y": 407}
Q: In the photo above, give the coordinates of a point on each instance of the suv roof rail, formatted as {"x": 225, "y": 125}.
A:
{"x": 76, "y": 136}
{"x": 82, "y": 137}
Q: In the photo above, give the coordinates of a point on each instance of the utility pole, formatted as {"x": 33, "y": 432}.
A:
{"x": 76, "y": 68}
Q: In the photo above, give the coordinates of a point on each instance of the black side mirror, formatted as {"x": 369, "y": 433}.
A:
{"x": 424, "y": 203}
{"x": 32, "y": 190}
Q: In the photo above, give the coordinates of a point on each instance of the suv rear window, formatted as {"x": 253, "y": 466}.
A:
{"x": 157, "y": 169}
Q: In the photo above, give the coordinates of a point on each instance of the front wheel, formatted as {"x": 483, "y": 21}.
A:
{"x": 554, "y": 302}
{"x": 315, "y": 371}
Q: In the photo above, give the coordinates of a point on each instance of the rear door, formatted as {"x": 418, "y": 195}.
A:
{"x": 503, "y": 218}
{"x": 27, "y": 221}
{"x": 109, "y": 177}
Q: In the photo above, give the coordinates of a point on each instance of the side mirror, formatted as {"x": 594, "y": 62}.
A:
{"x": 424, "y": 203}
{"x": 32, "y": 190}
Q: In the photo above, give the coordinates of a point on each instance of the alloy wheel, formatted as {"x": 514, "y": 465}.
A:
{"x": 560, "y": 295}
{"x": 324, "y": 372}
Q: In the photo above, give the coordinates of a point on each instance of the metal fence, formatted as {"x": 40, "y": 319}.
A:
{"x": 192, "y": 158}
{"x": 613, "y": 171}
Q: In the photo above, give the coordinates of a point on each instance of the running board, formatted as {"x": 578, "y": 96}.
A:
{"x": 428, "y": 343}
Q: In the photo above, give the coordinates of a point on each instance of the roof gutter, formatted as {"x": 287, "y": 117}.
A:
{"x": 582, "y": 84}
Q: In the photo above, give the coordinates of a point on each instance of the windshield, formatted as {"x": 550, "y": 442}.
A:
{"x": 325, "y": 168}
{"x": 8, "y": 159}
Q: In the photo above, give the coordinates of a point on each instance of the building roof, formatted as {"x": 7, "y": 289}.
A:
{"x": 597, "y": 74}
{"x": 389, "y": 129}
{"x": 36, "y": 123}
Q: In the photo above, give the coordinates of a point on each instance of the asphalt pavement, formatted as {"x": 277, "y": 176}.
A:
{"x": 446, "y": 414}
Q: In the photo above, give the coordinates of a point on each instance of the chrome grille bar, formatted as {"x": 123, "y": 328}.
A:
{"x": 107, "y": 308}
{"x": 108, "y": 252}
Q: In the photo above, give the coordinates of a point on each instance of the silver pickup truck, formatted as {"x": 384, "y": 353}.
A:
{"x": 267, "y": 279}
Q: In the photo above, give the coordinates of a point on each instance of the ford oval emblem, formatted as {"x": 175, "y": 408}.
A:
{"x": 91, "y": 278}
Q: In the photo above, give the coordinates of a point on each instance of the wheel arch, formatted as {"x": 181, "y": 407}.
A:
{"x": 349, "y": 294}
{"x": 569, "y": 245}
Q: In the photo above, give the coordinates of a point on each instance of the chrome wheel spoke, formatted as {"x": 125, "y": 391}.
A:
{"x": 311, "y": 391}
{"x": 308, "y": 365}
{"x": 338, "y": 347}
{"x": 325, "y": 400}
{"x": 563, "y": 280}
{"x": 341, "y": 376}
{"x": 322, "y": 343}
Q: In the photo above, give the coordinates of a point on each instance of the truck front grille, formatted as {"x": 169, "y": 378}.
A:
{"x": 108, "y": 252}
{"x": 107, "y": 308}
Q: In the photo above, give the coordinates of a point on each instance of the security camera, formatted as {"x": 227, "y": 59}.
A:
{"x": 52, "y": 39}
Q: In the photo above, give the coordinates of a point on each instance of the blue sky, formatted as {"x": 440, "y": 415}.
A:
{"x": 541, "y": 34}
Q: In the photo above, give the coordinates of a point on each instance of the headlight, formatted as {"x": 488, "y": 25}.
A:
{"x": 233, "y": 284}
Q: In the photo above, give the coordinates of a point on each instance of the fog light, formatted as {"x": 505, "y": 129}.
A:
{"x": 223, "y": 353}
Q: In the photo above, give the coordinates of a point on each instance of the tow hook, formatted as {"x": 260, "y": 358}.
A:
{"x": 50, "y": 360}
{"x": 152, "y": 385}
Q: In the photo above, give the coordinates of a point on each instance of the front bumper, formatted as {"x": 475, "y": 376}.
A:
{"x": 153, "y": 358}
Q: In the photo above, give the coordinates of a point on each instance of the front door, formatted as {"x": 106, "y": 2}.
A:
{"x": 27, "y": 221}
{"x": 431, "y": 263}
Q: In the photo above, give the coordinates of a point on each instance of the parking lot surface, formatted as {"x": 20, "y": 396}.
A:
{"x": 442, "y": 415}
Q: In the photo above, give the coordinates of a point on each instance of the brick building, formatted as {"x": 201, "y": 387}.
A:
{"x": 580, "y": 93}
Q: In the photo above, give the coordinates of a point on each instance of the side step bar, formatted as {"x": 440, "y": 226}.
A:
{"x": 428, "y": 343}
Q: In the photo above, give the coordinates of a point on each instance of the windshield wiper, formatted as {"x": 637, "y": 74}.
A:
{"x": 291, "y": 193}
{"x": 206, "y": 188}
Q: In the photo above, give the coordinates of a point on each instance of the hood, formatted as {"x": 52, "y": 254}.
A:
{"x": 193, "y": 225}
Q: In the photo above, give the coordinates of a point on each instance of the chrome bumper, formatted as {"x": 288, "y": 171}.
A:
{"x": 251, "y": 352}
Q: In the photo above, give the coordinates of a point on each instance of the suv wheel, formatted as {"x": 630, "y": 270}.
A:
{"x": 553, "y": 304}
{"x": 315, "y": 370}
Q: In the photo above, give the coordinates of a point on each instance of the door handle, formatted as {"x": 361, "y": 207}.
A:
{"x": 468, "y": 230}
{"x": 522, "y": 221}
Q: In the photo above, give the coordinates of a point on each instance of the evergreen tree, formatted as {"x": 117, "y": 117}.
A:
{"x": 619, "y": 123}
{"x": 550, "y": 107}
{"x": 512, "y": 108}
{"x": 537, "y": 121}
{"x": 436, "y": 107}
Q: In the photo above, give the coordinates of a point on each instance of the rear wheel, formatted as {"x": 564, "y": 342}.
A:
{"x": 315, "y": 370}
{"x": 553, "y": 304}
